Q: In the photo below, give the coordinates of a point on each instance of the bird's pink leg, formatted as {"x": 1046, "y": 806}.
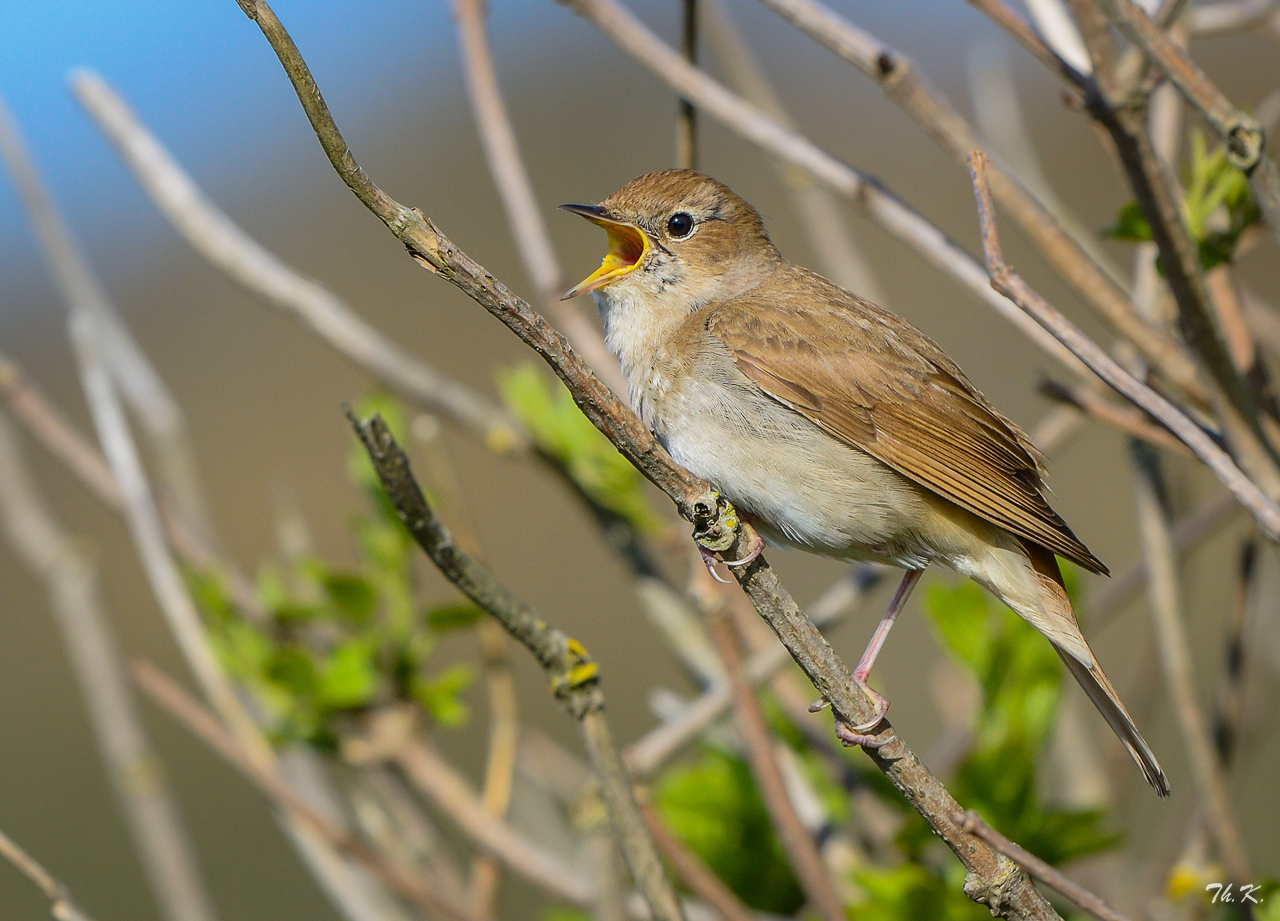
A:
{"x": 857, "y": 735}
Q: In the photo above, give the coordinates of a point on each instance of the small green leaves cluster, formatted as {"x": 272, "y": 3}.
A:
{"x": 560, "y": 431}
{"x": 1021, "y": 682}
{"x": 1218, "y": 208}
{"x": 332, "y": 642}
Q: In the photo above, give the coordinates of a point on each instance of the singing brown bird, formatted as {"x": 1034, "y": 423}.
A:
{"x": 831, "y": 424}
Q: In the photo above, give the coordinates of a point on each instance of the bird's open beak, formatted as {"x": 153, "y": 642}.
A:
{"x": 627, "y": 247}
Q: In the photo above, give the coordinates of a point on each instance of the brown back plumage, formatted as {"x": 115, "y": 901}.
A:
{"x": 877, "y": 383}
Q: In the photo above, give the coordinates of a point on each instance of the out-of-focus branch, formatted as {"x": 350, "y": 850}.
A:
{"x": 214, "y": 236}
{"x": 388, "y": 737}
{"x": 574, "y": 676}
{"x": 1228, "y": 704}
{"x": 700, "y": 878}
{"x": 49, "y": 426}
{"x": 1175, "y": 660}
{"x": 797, "y": 843}
{"x": 817, "y": 209}
{"x": 141, "y": 385}
{"x": 894, "y": 216}
{"x": 512, "y": 180}
{"x": 504, "y": 724}
{"x": 1241, "y": 133}
{"x": 166, "y": 694}
{"x": 1009, "y": 282}
{"x": 1232, "y": 16}
{"x": 1126, "y": 419}
{"x": 62, "y": 907}
{"x": 686, "y": 114}
{"x": 1187, "y": 533}
{"x": 145, "y": 796}
{"x": 1025, "y": 34}
{"x": 716, "y": 527}
{"x": 900, "y": 79}
{"x": 1078, "y": 895}
{"x": 108, "y": 359}
{"x": 646, "y": 755}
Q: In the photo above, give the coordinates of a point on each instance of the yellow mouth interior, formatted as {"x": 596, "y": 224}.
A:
{"x": 627, "y": 247}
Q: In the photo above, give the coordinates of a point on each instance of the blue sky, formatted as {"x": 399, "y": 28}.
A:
{"x": 202, "y": 77}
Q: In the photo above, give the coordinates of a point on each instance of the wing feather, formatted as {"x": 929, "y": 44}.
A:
{"x": 877, "y": 383}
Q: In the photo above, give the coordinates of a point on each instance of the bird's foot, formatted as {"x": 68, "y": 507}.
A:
{"x": 709, "y": 559}
{"x": 755, "y": 546}
{"x": 850, "y": 736}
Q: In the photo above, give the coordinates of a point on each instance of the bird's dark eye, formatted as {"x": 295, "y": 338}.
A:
{"x": 680, "y": 224}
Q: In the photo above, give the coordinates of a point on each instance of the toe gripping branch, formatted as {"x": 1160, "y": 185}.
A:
{"x": 718, "y": 529}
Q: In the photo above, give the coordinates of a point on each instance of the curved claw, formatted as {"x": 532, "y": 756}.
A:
{"x": 882, "y": 707}
{"x": 850, "y": 739}
{"x": 757, "y": 547}
{"x": 709, "y": 560}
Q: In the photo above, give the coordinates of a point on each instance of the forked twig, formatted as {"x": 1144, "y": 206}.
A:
{"x": 62, "y": 907}
{"x": 1077, "y": 894}
{"x": 1008, "y": 282}
{"x": 574, "y": 676}
{"x": 205, "y": 726}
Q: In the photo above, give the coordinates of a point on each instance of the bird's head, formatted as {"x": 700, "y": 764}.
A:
{"x": 677, "y": 240}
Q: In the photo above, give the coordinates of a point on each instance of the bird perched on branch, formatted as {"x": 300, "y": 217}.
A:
{"x": 831, "y": 424}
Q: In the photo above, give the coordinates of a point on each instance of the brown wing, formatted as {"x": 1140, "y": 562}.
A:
{"x": 877, "y": 383}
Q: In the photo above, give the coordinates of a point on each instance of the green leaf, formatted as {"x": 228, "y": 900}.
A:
{"x": 712, "y": 805}
{"x": 561, "y": 430}
{"x": 911, "y": 892}
{"x": 454, "y": 616}
{"x": 959, "y": 613}
{"x": 439, "y": 695}
{"x": 1130, "y": 225}
{"x": 350, "y": 677}
{"x": 291, "y": 668}
{"x": 353, "y": 595}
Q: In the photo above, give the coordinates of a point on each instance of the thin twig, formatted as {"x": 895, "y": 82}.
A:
{"x": 1228, "y": 704}
{"x": 166, "y": 694}
{"x": 574, "y": 676}
{"x": 62, "y": 907}
{"x": 880, "y": 205}
{"x": 1078, "y": 895}
{"x": 49, "y": 425}
{"x": 1127, "y": 419}
{"x": 138, "y": 380}
{"x": 903, "y": 83}
{"x": 1025, "y": 34}
{"x": 141, "y": 788}
{"x": 716, "y": 526}
{"x": 1232, "y": 16}
{"x": 1188, "y": 533}
{"x": 797, "y": 843}
{"x": 389, "y": 737}
{"x": 528, "y": 230}
{"x": 647, "y": 754}
{"x": 1174, "y": 647}
{"x": 1010, "y": 283}
{"x": 504, "y": 724}
{"x": 701, "y": 879}
{"x": 212, "y": 234}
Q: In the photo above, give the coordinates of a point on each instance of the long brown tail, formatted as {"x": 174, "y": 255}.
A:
{"x": 1089, "y": 674}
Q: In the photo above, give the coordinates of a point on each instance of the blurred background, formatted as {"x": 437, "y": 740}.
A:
{"x": 261, "y": 394}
